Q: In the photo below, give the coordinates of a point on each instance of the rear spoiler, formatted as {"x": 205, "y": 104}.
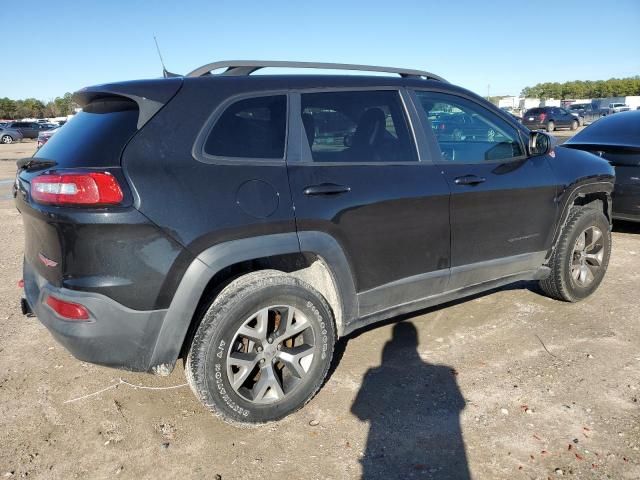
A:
{"x": 150, "y": 95}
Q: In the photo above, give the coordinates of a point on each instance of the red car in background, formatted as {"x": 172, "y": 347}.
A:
{"x": 43, "y": 137}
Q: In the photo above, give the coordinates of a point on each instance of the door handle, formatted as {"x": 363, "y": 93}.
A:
{"x": 326, "y": 189}
{"x": 469, "y": 180}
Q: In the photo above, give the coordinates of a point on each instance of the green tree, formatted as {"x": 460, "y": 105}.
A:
{"x": 614, "y": 87}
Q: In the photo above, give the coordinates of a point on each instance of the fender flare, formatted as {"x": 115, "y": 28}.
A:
{"x": 202, "y": 269}
{"x": 570, "y": 195}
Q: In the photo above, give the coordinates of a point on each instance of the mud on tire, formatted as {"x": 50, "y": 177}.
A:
{"x": 572, "y": 258}
{"x": 239, "y": 351}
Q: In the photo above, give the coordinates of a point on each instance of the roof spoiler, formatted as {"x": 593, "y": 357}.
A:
{"x": 150, "y": 95}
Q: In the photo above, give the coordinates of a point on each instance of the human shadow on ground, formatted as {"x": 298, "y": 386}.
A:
{"x": 413, "y": 409}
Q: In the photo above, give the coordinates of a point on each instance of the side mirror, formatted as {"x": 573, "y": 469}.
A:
{"x": 540, "y": 143}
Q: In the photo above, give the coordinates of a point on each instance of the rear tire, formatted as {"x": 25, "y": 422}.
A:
{"x": 574, "y": 125}
{"x": 551, "y": 127}
{"x": 581, "y": 256}
{"x": 6, "y": 139}
{"x": 263, "y": 348}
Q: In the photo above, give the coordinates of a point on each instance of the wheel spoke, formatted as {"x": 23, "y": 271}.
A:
{"x": 581, "y": 241}
{"x": 258, "y": 333}
{"x": 294, "y": 324}
{"x": 575, "y": 271}
{"x": 587, "y": 275}
{"x": 596, "y": 234}
{"x": 267, "y": 389}
{"x": 595, "y": 259}
{"x": 295, "y": 359}
{"x": 245, "y": 362}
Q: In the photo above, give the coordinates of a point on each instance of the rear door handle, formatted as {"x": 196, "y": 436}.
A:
{"x": 469, "y": 180}
{"x": 326, "y": 189}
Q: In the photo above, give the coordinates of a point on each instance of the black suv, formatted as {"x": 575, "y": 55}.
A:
{"x": 245, "y": 223}
{"x": 549, "y": 119}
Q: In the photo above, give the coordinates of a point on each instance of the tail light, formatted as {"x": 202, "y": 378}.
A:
{"x": 68, "y": 310}
{"x": 92, "y": 188}
{"x": 542, "y": 117}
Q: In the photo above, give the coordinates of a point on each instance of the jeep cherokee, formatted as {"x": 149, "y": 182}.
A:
{"x": 245, "y": 222}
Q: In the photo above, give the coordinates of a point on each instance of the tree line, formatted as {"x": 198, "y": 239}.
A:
{"x": 34, "y": 108}
{"x": 614, "y": 87}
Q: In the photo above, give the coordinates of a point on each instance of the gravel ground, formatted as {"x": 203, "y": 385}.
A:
{"x": 507, "y": 385}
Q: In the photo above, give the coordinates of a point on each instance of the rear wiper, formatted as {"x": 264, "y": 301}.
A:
{"x": 34, "y": 164}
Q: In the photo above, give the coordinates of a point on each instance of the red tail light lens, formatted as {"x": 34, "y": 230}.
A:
{"x": 543, "y": 116}
{"x": 93, "y": 188}
{"x": 68, "y": 310}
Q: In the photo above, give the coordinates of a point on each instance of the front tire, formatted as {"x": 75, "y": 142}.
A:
{"x": 574, "y": 125}
{"x": 551, "y": 127}
{"x": 263, "y": 349}
{"x": 581, "y": 257}
{"x": 6, "y": 139}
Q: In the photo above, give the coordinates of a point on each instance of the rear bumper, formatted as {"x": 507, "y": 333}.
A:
{"x": 535, "y": 125}
{"x": 114, "y": 335}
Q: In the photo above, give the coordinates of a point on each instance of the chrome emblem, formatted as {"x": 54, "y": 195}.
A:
{"x": 47, "y": 261}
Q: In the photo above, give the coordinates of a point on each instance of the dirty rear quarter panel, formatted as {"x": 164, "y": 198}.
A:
{"x": 192, "y": 201}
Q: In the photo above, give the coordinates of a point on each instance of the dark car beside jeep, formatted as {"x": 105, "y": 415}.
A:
{"x": 246, "y": 222}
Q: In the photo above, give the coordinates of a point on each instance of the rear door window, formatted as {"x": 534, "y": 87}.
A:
{"x": 365, "y": 126}
{"x": 250, "y": 128}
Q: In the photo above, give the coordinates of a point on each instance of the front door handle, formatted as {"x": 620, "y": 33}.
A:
{"x": 326, "y": 189}
{"x": 469, "y": 180}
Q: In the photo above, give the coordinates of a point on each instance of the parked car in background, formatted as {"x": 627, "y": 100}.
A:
{"x": 616, "y": 138}
{"x": 585, "y": 113}
{"x": 274, "y": 245}
{"x": 618, "y": 107}
{"x": 43, "y": 137}
{"x": 9, "y": 135}
{"x": 514, "y": 113}
{"x": 29, "y": 129}
{"x": 549, "y": 119}
{"x": 461, "y": 126}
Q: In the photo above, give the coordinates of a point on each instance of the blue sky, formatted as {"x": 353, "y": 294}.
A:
{"x": 63, "y": 45}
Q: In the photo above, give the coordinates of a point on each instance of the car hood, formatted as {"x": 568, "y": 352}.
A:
{"x": 619, "y": 130}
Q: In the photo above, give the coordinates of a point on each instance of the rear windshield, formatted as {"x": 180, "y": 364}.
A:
{"x": 578, "y": 106}
{"x": 535, "y": 111}
{"x": 94, "y": 137}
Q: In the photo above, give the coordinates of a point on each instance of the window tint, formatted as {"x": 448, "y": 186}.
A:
{"x": 352, "y": 126}
{"x": 250, "y": 128}
{"x": 468, "y": 133}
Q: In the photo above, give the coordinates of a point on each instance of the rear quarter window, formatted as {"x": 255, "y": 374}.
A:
{"x": 250, "y": 128}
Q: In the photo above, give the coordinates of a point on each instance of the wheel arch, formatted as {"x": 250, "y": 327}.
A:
{"x": 314, "y": 257}
{"x": 594, "y": 195}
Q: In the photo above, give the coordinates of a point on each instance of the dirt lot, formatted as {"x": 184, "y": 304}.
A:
{"x": 512, "y": 385}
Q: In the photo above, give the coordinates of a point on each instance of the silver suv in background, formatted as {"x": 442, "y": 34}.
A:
{"x": 9, "y": 135}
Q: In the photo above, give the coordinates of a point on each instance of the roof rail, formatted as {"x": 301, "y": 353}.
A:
{"x": 247, "y": 67}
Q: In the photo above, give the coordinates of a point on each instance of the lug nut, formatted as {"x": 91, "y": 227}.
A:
{"x": 279, "y": 346}
{"x": 259, "y": 348}
{"x": 262, "y": 361}
{"x": 270, "y": 339}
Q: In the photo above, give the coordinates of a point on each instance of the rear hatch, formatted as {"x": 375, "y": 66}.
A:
{"x": 56, "y": 188}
